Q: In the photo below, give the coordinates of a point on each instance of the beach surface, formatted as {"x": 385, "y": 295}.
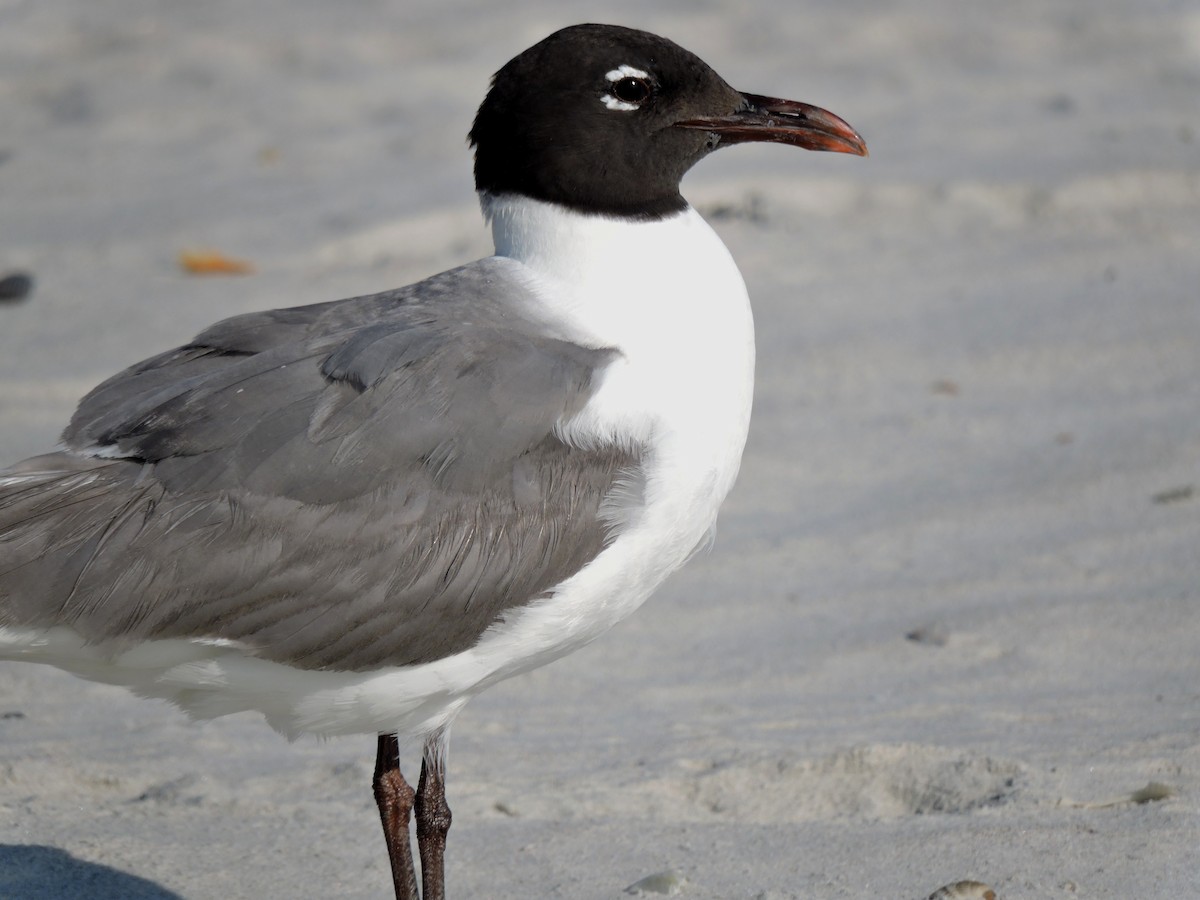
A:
{"x": 950, "y": 625}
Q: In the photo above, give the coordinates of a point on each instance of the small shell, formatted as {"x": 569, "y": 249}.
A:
{"x": 964, "y": 890}
{"x": 669, "y": 883}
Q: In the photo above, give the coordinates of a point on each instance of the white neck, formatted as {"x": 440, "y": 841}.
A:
{"x": 667, "y": 295}
{"x": 620, "y": 278}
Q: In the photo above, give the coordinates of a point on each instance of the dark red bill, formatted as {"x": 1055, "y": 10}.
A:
{"x": 782, "y": 122}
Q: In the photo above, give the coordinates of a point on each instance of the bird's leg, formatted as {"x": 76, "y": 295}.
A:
{"x": 394, "y": 797}
{"x": 433, "y": 817}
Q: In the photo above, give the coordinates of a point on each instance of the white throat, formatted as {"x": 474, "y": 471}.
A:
{"x": 612, "y": 274}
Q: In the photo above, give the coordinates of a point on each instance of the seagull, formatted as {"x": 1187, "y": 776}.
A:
{"x": 355, "y": 516}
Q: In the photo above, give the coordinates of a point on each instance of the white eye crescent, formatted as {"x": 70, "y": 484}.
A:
{"x": 628, "y": 88}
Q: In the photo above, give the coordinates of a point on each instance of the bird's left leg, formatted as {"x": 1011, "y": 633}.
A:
{"x": 433, "y": 817}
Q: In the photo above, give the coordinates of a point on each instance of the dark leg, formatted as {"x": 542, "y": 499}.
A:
{"x": 433, "y": 818}
{"x": 394, "y": 797}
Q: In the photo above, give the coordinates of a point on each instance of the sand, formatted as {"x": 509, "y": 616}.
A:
{"x": 951, "y": 621}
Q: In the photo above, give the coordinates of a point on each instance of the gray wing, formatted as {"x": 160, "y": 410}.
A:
{"x": 347, "y": 485}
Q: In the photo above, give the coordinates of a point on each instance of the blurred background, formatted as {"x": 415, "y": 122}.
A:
{"x": 952, "y": 608}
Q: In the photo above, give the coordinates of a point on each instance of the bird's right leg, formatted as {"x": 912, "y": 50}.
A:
{"x": 394, "y": 796}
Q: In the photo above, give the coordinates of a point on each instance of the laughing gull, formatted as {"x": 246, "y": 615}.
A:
{"x": 355, "y": 516}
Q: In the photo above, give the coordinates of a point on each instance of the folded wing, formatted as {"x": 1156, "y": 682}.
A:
{"x": 369, "y": 482}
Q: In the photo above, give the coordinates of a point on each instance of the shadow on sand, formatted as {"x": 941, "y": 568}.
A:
{"x": 32, "y": 872}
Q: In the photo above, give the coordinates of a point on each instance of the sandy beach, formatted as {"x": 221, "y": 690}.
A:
{"x": 950, "y": 626}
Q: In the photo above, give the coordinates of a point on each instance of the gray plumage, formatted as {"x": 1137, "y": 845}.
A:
{"x": 341, "y": 486}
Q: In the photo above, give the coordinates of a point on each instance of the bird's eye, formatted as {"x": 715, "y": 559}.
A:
{"x": 628, "y": 88}
{"x": 631, "y": 90}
